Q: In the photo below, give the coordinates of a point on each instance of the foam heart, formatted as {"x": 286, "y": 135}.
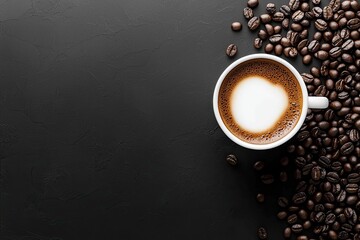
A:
{"x": 257, "y": 104}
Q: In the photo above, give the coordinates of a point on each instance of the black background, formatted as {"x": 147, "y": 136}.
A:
{"x": 106, "y": 123}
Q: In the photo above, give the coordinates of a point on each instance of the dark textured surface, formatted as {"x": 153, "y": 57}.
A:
{"x": 106, "y": 123}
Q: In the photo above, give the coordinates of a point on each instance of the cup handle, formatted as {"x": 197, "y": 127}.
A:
{"x": 318, "y": 102}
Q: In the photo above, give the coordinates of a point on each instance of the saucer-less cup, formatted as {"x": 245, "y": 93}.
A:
{"x": 308, "y": 102}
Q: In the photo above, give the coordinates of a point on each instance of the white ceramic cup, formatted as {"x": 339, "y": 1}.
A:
{"x": 308, "y": 102}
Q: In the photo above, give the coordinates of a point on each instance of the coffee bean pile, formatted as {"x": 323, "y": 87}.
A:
{"x": 326, "y": 201}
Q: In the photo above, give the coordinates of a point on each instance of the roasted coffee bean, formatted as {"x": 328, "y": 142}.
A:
{"x": 307, "y": 59}
{"x": 259, "y": 165}
{"x": 327, "y": 36}
{"x": 297, "y": 228}
{"x": 293, "y": 52}
{"x": 269, "y": 29}
{"x": 337, "y": 40}
{"x": 343, "y": 235}
{"x": 299, "y": 198}
{"x": 324, "y": 162}
{"x": 343, "y": 95}
{"x": 343, "y": 139}
{"x": 314, "y": 46}
{"x": 315, "y": 173}
{"x": 330, "y": 218}
{"x": 335, "y": 5}
{"x": 294, "y": 38}
{"x": 321, "y": 54}
{"x": 317, "y": 11}
{"x": 316, "y": 2}
{"x": 347, "y": 148}
{"x": 281, "y": 215}
{"x": 277, "y": 29}
{"x": 300, "y": 162}
{"x": 231, "y": 160}
{"x": 341, "y": 197}
{"x": 348, "y": 45}
{"x": 231, "y": 50}
{"x": 297, "y": 16}
{"x": 253, "y": 3}
{"x": 304, "y": 51}
{"x": 324, "y": 125}
{"x": 292, "y": 218}
{"x": 329, "y": 197}
{"x": 258, "y": 43}
{"x": 260, "y": 197}
{"x": 346, "y": 227}
{"x": 283, "y": 176}
{"x": 293, "y": 209}
{"x": 349, "y": 15}
{"x": 308, "y": 78}
{"x": 354, "y": 135}
{"x": 267, "y": 178}
{"x": 236, "y": 26}
{"x": 353, "y": 24}
{"x": 304, "y": 34}
{"x": 294, "y": 4}
{"x": 352, "y": 188}
{"x": 254, "y": 23}
{"x": 353, "y": 178}
{"x": 285, "y": 23}
{"x": 287, "y": 232}
{"x": 333, "y": 25}
{"x": 335, "y": 52}
{"x": 320, "y": 25}
{"x": 351, "y": 200}
{"x": 265, "y": 18}
{"x": 333, "y": 235}
{"x": 319, "y": 217}
{"x": 262, "y": 233}
{"x": 345, "y": 33}
{"x": 285, "y": 9}
{"x": 303, "y": 214}
{"x": 275, "y": 38}
{"x": 248, "y": 13}
{"x": 302, "y": 237}
{"x": 271, "y": 8}
{"x": 262, "y": 34}
{"x": 269, "y": 48}
{"x": 296, "y": 27}
{"x": 278, "y": 17}
{"x": 301, "y": 186}
{"x": 348, "y": 212}
{"x": 333, "y": 177}
{"x": 283, "y": 202}
{"x": 327, "y": 13}
{"x": 307, "y": 169}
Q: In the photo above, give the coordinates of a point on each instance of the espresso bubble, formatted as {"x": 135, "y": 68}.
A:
{"x": 276, "y": 74}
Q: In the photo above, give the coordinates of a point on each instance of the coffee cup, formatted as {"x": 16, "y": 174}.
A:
{"x": 260, "y": 101}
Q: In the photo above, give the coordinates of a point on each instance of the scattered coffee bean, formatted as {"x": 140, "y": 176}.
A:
{"x": 259, "y": 165}
{"x": 278, "y": 17}
{"x": 294, "y": 4}
{"x": 260, "y": 197}
{"x": 265, "y": 18}
{"x": 231, "y": 50}
{"x": 267, "y": 178}
{"x": 236, "y": 26}
{"x": 248, "y": 13}
{"x": 253, "y": 3}
{"x": 254, "y": 23}
{"x": 262, "y": 233}
{"x": 271, "y": 8}
{"x": 258, "y": 43}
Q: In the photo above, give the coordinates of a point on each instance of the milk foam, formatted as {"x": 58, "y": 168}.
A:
{"x": 257, "y": 104}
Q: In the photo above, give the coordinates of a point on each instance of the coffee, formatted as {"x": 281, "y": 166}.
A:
{"x": 260, "y": 101}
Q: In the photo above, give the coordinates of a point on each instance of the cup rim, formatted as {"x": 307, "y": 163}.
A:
{"x": 283, "y": 139}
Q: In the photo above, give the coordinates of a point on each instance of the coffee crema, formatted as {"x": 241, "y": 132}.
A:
{"x": 260, "y": 101}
